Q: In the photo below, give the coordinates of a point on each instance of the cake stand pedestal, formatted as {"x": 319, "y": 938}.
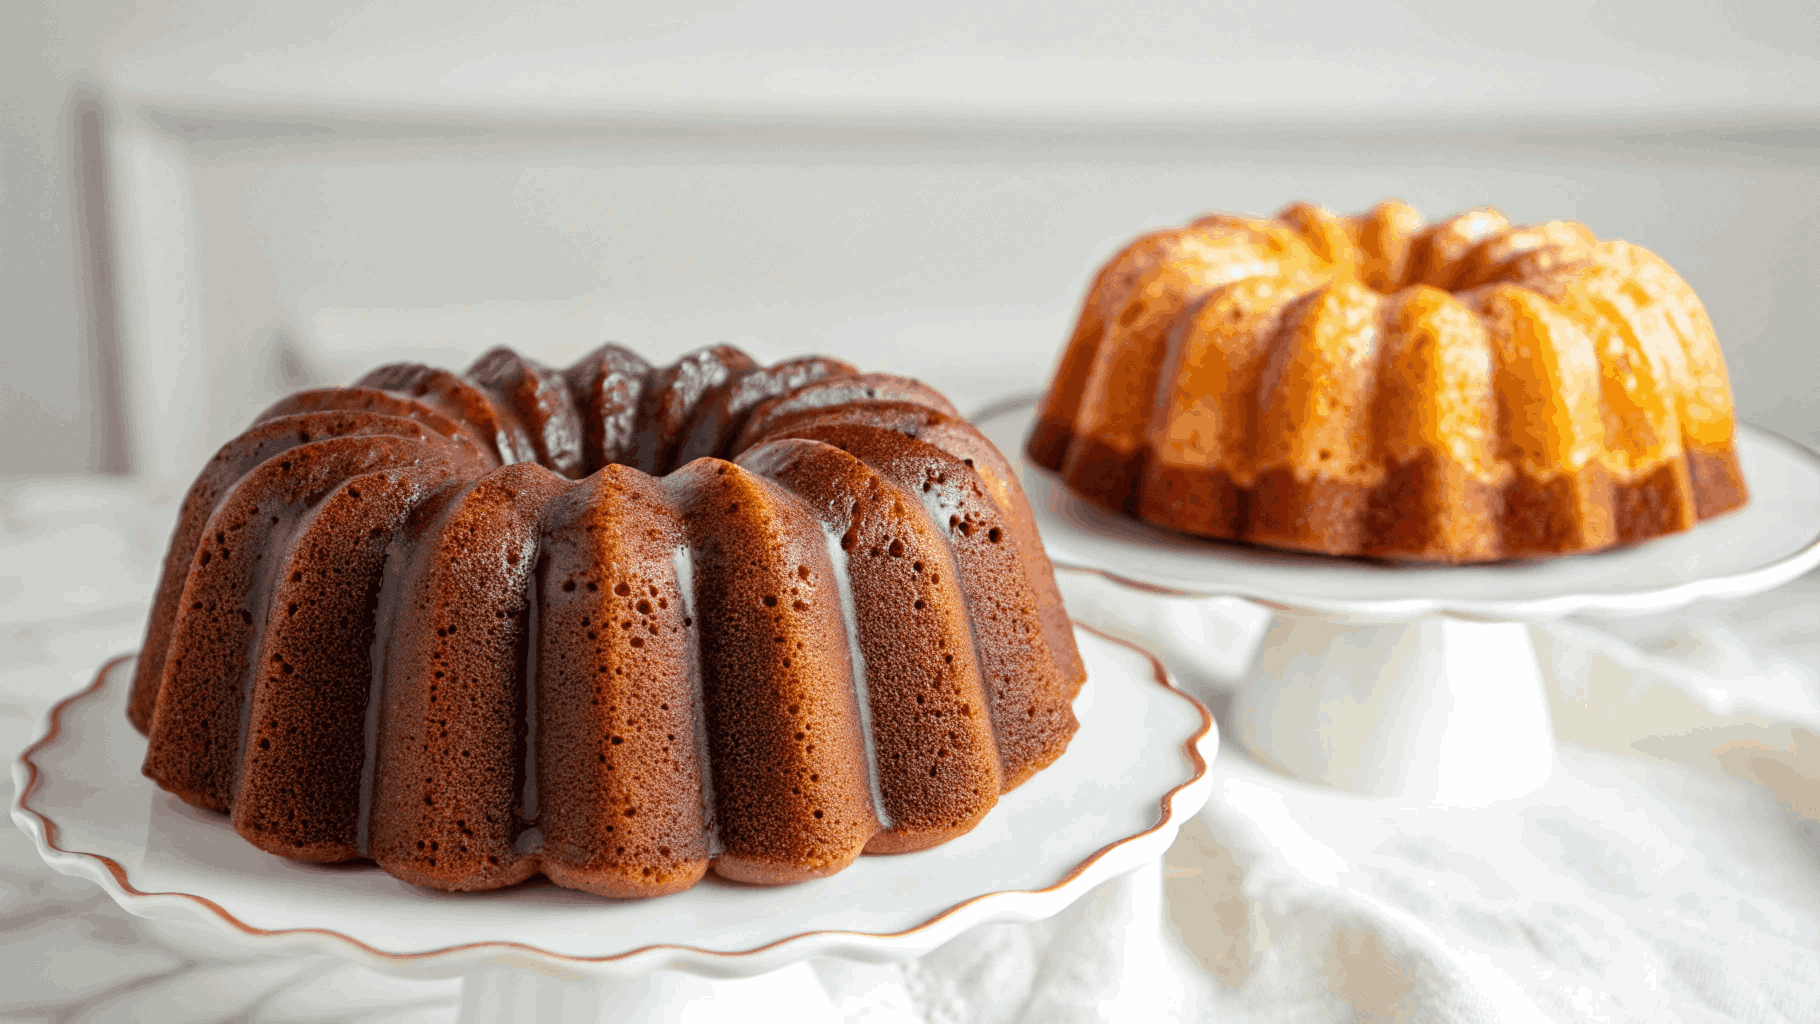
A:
{"x": 538, "y": 952}
{"x": 1421, "y": 681}
{"x": 518, "y": 994}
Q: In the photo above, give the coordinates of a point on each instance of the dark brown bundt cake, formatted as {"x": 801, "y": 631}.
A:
{"x": 481, "y": 626}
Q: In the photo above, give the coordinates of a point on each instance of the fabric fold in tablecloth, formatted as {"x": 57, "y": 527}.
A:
{"x": 1669, "y": 870}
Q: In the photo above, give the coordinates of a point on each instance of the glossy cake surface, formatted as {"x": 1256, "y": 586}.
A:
{"x": 1462, "y": 391}
{"x": 617, "y": 624}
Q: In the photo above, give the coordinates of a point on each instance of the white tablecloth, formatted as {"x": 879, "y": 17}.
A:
{"x": 1669, "y": 871}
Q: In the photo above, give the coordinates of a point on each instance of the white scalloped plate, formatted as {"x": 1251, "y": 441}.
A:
{"x": 1114, "y": 801}
{"x": 1773, "y": 539}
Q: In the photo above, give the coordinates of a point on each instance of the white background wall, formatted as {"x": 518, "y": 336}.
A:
{"x": 925, "y": 188}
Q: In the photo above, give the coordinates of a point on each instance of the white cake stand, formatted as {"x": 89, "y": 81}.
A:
{"x": 1422, "y": 680}
{"x": 1111, "y": 804}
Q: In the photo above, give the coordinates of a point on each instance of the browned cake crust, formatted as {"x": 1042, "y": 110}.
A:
{"x": 672, "y": 397}
{"x": 392, "y": 625}
{"x": 199, "y": 729}
{"x": 462, "y": 400}
{"x": 617, "y": 678}
{"x": 828, "y": 394}
{"x": 1027, "y": 692}
{"x": 608, "y": 387}
{"x": 300, "y": 772}
{"x": 958, "y": 438}
{"x": 449, "y": 765}
{"x": 266, "y": 439}
{"x": 938, "y": 761}
{"x": 544, "y": 406}
{"x": 718, "y": 418}
{"x": 1464, "y": 391}
{"x": 791, "y": 796}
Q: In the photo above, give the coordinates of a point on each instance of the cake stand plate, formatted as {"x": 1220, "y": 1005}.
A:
{"x": 1422, "y": 680}
{"x": 1112, "y": 803}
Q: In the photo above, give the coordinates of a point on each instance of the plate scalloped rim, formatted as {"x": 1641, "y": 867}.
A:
{"x": 1179, "y": 803}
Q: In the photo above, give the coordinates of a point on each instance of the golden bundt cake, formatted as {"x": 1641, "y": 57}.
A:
{"x": 1463, "y": 391}
{"x": 481, "y": 626}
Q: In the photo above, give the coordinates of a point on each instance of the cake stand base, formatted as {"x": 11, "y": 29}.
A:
{"x": 497, "y": 994}
{"x": 1439, "y": 710}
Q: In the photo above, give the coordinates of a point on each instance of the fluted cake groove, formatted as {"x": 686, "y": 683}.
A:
{"x": 1463, "y": 391}
{"x": 617, "y": 624}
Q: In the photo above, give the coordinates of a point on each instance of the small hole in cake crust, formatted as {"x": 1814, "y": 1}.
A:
{"x": 770, "y": 600}
{"x": 622, "y": 590}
